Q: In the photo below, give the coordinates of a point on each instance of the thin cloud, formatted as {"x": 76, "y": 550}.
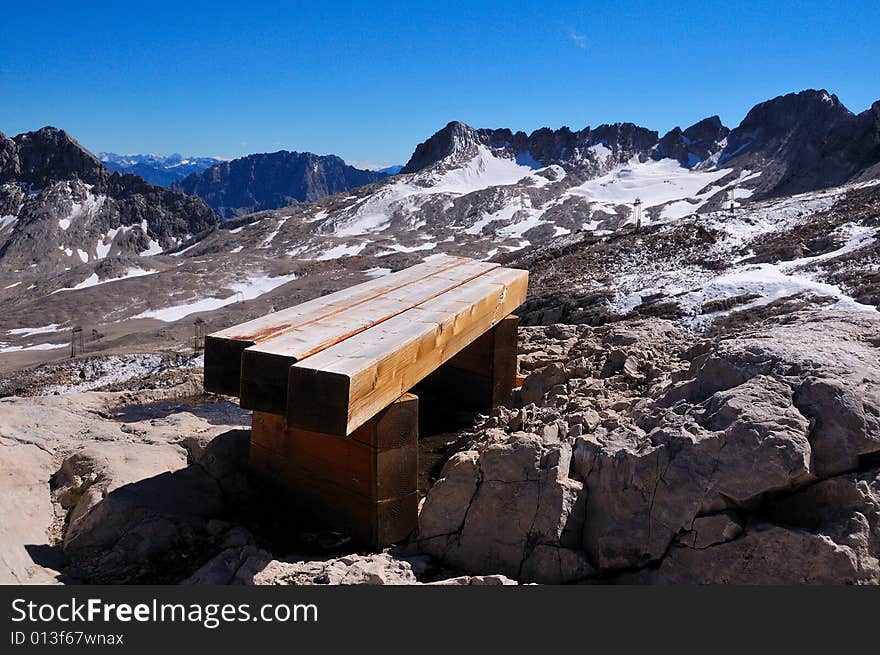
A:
{"x": 578, "y": 39}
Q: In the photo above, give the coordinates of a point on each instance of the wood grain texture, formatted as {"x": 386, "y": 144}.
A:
{"x": 264, "y": 366}
{"x": 481, "y": 376}
{"x": 365, "y": 486}
{"x": 372, "y": 523}
{"x": 223, "y": 348}
{"x": 367, "y": 372}
{"x": 368, "y": 471}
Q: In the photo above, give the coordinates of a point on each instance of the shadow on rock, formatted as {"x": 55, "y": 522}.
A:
{"x": 146, "y": 512}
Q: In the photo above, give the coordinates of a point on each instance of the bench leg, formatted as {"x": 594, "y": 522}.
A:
{"x": 483, "y": 375}
{"x": 364, "y": 484}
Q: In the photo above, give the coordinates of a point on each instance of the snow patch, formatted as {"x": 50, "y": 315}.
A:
{"x": 26, "y": 332}
{"x": 653, "y": 182}
{"x": 249, "y": 289}
{"x": 4, "y": 348}
{"x": 342, "y": 250}
{"x": 7, "y": 221}
{"x": 94, "y": 281}
{"x": 269, "y": 239}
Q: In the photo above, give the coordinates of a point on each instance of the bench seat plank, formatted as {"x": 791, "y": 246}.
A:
{"x": 223, "y": 349}
{"x": 264, "y": 365}
{"x": 340, "y": 388}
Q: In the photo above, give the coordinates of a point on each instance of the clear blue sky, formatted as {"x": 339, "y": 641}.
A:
{"x": 369, "y": 81}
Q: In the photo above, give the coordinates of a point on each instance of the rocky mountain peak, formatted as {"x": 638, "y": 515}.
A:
{"x": 809, "y": 107}
{"x": 453, "y": 139}
{"x": 272, "y": 180}
{"x": 50, "y": 155}
{"x": 694, "y": 144}
{"x": 801, "y": 141}
{"x": 708, "y": 129}
{"x": 62, "y": 208}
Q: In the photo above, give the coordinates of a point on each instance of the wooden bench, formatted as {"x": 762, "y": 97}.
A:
{"x": 328, "y": 382}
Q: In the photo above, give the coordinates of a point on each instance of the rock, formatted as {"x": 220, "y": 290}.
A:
{"x": 125, "y": 504}
{"x": 512, "y": 498}
{"x": 27, "y": 513}
{"x": 251, "y": 566}
{"x": 829, "y": 361}
{"x": 476, "y": 581}
{"x": 843, "y": 429}
{"x": 222, "y": 456}
{"x": 642, "y": 491}
{"x": 631, "y": 369}
{"x": 765, "y": 555}
{"x": 130, "y": 505}
{"x": 711, "y": 530}
{"x": 225, "y": 567}
{"x": 447, "y": 505}
{"x": 842, "y": 507}
{"x": 697, "y": 465}
{"x": 539, "y": 383}
{"x": 377, "y": 569}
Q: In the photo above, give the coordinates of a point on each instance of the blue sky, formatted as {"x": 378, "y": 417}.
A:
{"x": 368, "y": 81}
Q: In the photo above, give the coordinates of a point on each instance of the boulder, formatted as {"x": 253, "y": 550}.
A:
{"x": 691, "y": 464}
{"x": 129, "y": 506}
{"x": 375, "y": 569}
{"x": 508, "y": 507}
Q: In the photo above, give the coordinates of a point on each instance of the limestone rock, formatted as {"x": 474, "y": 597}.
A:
{"x": 27, "y": 513}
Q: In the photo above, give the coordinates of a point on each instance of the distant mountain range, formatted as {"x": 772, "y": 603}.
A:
{"x": 464, "y": 190}
{"x": 61, "y": 207}
{"x": 79, "y": 242}
{"x": 157, "y": 169}
{"x": 272, "y": 180}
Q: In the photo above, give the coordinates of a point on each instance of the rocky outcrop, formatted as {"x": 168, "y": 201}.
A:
{"x": 272, "y": 180}
{"x": 742, "y": 467}
{"x": 695, "y": 144}
{"x": 27, "y": 512}
{"x": 803, "y": 141}
{"x": 248, "y": 565}
{"x": 828, "y": 533}
{"x": 636, "y": 452}
{"x": 593, "y": 149}
{"x": 128, "y": 506}
{"x": 62, "y": 207}
{"x": 94, "y": 498}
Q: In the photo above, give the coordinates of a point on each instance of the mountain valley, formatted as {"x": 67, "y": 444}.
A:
{"x": 699, "y": 353}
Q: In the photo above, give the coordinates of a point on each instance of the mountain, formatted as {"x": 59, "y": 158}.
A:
{"x": 485, "y": 192}
{"x": 391, "y": 170}
{"x": 699, "y": 401}
{"x": 271, "y": 180}
{"x": 715, "y": 227}
{"x": 59, "y": 206}
{"x": 155, "y": 168}
{"x": 544, "y": 147}
{"x": 804, "y": 141}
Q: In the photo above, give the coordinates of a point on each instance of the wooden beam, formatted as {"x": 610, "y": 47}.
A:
{"x": 223, "y": 349}
{"x": 481, "y": 376}
{"x": 339, "y": 389}
{"x": 264, "y": 366}
{"x": 364, "y": 484}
